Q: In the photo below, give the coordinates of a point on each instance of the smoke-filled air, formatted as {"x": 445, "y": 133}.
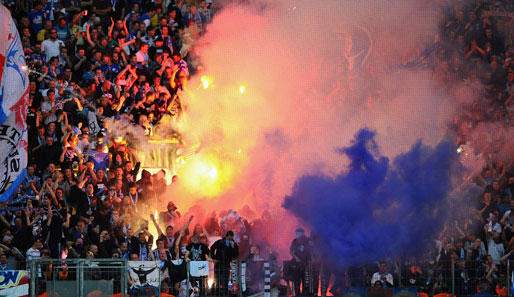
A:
{"x": 322, "y": 115}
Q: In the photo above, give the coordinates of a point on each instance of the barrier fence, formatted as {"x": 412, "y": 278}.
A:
{"x": 117, "y": 277}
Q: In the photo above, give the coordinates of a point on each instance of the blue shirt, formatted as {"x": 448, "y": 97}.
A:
{"x": 36, "y": 20}
{"x": 62, "y": 33}
{"x": 6, "y": 267}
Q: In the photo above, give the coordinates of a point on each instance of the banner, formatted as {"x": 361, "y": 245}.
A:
{"x": 14, "y": 93}
{"x": 14, "y": 283}
{"x": 199, "y": 268}
{"x": 145, "y": 273}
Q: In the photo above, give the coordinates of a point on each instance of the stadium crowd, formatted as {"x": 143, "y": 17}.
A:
{"x": 93, "y": 63}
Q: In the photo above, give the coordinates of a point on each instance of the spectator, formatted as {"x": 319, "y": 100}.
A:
{"x": 383, "y": 276}
{"x": 301, "y": 253}
{"x": 223, "y": 252}
{"x": 51, "y": 47}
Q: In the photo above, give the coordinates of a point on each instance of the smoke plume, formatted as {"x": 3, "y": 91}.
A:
{"x": 377, "y": 208}
{"x": 284, "y": 85}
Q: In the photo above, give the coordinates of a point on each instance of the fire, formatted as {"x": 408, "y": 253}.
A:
{"x": 156, "y": 215}
{"x": 213, "y": 173}
{"x": 242, "y": 89}
{"x": 207, "y": 174}
{"x": 210, "y": 282}
{"x": 206, "y": 81}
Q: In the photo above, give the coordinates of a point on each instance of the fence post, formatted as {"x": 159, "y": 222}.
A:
{"x": 508, "y": 278}
{"x": 453, "y": 276}
{"x": 322, "y": 277}
{"x": 188, "y": 269}
{"x": 239, "y": 280}
{"x": 80, "y": 277}
{"x": 123, "y": 279}
{"x": 399, "y": 272}
{"x": 33, "y": 278}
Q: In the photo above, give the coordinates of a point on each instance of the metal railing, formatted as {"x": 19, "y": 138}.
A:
{"x": 78, "y": 276}
{"x": 457, "y": 277}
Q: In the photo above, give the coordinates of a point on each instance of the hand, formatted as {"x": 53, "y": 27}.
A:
{"x": 112, "y": 21}
{"x": 152, "y": 217}
{"x": 91, "y": 219}
{"x": 68, "y": 216}
{"x": 191, "y": 218}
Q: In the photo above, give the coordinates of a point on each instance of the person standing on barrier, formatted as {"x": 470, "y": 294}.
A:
{"x": 301, "y": 253}
{"x": 197, "y": 251}
{"x": 223, "y": 252}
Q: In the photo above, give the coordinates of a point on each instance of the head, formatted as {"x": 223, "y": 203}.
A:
{"x": 299, "y": 233}
{"x": 229, "y": 235}
{"x": 53, "y": 34}
{"x": 3, "y": 259}
{"x": 144, "y": 48}
{"x": 141, "y": 237}
{"x": 169, "y": 231}
{"x": 382, "y": 267}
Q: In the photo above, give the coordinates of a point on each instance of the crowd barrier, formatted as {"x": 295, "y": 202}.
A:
{"x": 116, "y": 277}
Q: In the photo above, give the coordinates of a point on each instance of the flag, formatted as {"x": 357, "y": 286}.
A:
{"x": 14, "y": 93}
{"x": 100, "y": 159}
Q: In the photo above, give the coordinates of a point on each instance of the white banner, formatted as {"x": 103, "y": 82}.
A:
{"x": 199, "y": 268}
{"x": 145, "y": 273}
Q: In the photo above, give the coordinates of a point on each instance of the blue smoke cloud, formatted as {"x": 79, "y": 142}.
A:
{"x": 376, "y": 209}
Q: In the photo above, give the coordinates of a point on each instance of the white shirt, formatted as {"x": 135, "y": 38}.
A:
{"x": 142, "y": 58}
{"x": 51, "y": 48}
{"x": 496, "y": 250}
{"x": 508, "y": 220}
{"x": 46, "y": 107}
{"x": 33, "y": 254}
{"x": 377, "y": 276}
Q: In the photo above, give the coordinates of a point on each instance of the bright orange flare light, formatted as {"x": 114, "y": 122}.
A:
{"x": 242, "y": 89}
{"x": 205, "y": 174}
{"x": 206, "y": 81}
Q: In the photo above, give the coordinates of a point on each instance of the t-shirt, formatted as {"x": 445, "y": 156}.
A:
{"x": 142, "y": 58}
{"x": 36, "y": 20}
{"x": 496, "y": 250}
{"x": 62, "y": 33}
{"x": 51, "y": 48}
{"x": 47, "y": 107}
{"x": 300, "y": 247}
{"x": 198, "y": 251}
{"x": 33, "y": 254}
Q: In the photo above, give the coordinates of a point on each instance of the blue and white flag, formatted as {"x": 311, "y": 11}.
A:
{"x": 14, "y": 94}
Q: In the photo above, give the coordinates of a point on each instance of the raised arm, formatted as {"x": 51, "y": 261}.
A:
{"x": 156, "y": 225}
